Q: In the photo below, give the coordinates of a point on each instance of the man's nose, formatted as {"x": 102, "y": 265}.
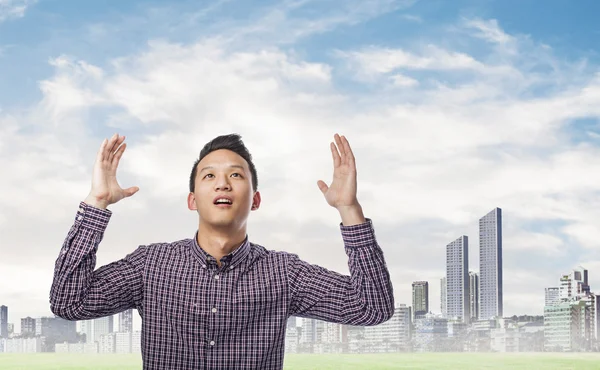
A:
{"x": 222, "y": 183}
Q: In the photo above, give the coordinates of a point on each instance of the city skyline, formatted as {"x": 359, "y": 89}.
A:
{"x": 452, "y": 108}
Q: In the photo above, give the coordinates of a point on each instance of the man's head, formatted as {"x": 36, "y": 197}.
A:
{"x": 224, "y": 169}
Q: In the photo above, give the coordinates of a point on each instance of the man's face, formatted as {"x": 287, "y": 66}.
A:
{"x": 225, "y": 175}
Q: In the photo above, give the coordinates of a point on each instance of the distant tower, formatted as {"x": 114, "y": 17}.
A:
{"x": 474, "y": 295}
{"x": 291, "y": 322}
{"x": 420, "y": 299}
{"x": 457, "y": 275}
{"x": 3, "y": 322}
{"x": 126, "y": 321}
{"x": 490, "y": 265}
{"x": 443, "y": 297}
{"x": 102, "y": 326}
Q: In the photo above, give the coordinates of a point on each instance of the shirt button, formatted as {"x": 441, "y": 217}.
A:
{"x": 230, "y": 267}
{"x": 212, "y": 342}
{"x": 216, "y": 277}
{"x": 79, "y": 218}
{"x": 214, "y": 310}
{"x": 203, "y": 266}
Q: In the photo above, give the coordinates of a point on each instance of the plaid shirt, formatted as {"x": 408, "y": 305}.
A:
{"x": 197, "y": 315}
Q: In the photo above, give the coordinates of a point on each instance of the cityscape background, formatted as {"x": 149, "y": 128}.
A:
{"x": 452, "y": 109}
{"x": 470, "y": 317}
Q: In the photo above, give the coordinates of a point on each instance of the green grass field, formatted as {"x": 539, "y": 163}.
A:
{"x": 460, "y": 361}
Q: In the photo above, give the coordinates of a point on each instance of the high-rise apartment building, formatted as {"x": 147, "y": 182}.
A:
{"x": 126, "y": 321}
{"x": 103, "y": 326}
{"x": 490, "y": 265}
{"x": 420, "y": 299}
{"x": 457, "y": 280}
{"x": 474, "y": 295}
{"x": 552, "y": 296}
{"x": 574, "y": 284}
{"x": 444, "y": 297}
{"x": 3, "y": 322}
{"x": 28, "y": 326}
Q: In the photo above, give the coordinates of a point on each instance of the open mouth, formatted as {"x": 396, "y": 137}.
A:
{"x": 223, "y": 202}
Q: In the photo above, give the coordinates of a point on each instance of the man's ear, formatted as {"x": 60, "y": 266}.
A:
{"x": 256, "y": 201}
{"x": 191, "y": 202}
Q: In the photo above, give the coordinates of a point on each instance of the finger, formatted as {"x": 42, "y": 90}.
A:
{"x": 340, "y": 146}
{"x": 322, "y": 186}
{"x": 115, "y": 147}
{"x": 100, "y": 155}
{"x": 108, "y": 147}
{"x": 336, "y": 157}
{"x": 348, "y": 150}
{"x": 118, "y": 155}
{"x": 130, "y": 191}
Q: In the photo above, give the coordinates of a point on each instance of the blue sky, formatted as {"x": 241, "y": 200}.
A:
{"x": 453, "y": 108}
{"x": 53, "y": 27}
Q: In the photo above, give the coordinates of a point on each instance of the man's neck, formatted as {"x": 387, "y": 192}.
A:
{"x": 219, "y": 242}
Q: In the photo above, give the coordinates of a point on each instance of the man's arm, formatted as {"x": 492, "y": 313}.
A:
{"x": 364, "y": 298}
{"x": 80, "y": 293}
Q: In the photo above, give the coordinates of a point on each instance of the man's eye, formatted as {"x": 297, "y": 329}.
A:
{"x": 210, "y": 174}
{"x": 237, "y": 174}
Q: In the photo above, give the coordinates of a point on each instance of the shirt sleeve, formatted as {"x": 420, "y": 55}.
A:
{"x": 364, "y": 298}
{"x": 80, "y": 293}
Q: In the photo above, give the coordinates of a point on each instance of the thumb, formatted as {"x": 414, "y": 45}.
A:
{"x": 322, "y": 186}
{"x": 130, "y": 191}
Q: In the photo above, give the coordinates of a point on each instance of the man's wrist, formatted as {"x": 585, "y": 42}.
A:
{"x": 352, "y": 215}
{"x": 92, "y": 201}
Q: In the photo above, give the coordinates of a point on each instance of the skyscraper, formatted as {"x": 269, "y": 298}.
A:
{"x": 28, "y": 326}
{"x": 490, "y": 265}
{"x": 87, "y": 328}
{"x": 574, "y": 284}
{"x": 457, "y": 280}
{"x": 552, "y": 296}
{"x": 126, "y": 321}
{"x": 3, "y": 322}
{"x": 102, "y": 326}
{"x": 420, "y": 299}
{"x": 291, "y": 322}
{"x": 443, "y": 297}
{"x": 474, "y": 295}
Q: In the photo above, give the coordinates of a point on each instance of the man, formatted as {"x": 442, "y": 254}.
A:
{"x": 219, "y": 301}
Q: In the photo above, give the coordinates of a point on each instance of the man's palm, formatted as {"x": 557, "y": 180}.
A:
{"x": 342, "y": 191}
{"x": 105, "y": 187}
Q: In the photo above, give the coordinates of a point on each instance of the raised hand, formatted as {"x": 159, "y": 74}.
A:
{"x": 105, "y": 188}
{"x": 342, "y": 191}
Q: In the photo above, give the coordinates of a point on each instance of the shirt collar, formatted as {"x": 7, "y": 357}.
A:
{"x": 231, "y": 259}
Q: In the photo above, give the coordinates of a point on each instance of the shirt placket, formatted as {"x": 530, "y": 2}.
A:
{"x": 214, "y": 306}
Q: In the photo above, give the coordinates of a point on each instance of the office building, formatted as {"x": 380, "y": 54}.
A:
{"x": 420, "y": 299}
{"x": 126, "y": 321}
{"x": 3, "y": 322}
{"x": 490, "y": 265}
{"x": 457, "y": 280}
{"x": 474, "y": 295}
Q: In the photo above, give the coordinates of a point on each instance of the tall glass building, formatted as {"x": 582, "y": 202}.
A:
{"x": 490, "y": 265}
{"x": 457, "y": 280}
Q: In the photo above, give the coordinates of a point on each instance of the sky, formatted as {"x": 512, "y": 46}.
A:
{"x": 451, "y": 108}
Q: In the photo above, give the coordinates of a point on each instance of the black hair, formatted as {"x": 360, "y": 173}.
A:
{"x": 231, "y": 142}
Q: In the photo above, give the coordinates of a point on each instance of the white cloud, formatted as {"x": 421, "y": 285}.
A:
{"x": 431, "y": 159}
{"x": 14, "y": 8}
{"x": 403, "y": 81}
{"x": 412, "y": 18}
{"x": 489, "y": 30}
{"x": 384, "y": 60}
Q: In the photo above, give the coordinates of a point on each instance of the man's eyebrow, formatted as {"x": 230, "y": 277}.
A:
{"x": 232, "y": 166}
